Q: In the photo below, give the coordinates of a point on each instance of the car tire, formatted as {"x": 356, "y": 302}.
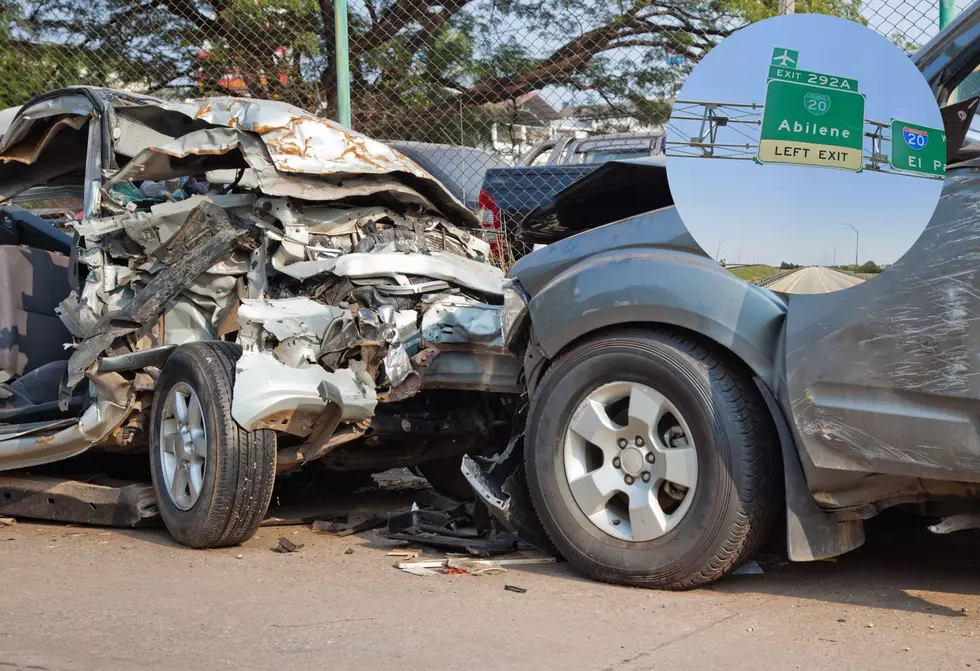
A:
{"x": 446, "y": 477}
{"x": 231, "y": 470}
{"x": 735, "y": 462}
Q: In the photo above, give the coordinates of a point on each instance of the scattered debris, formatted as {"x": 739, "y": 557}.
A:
{"x": 286, "y": 545}
{"x": 749, "y": 568}
{"x": 435, "y": 563}
{"x": 349, "y": 551}
{"x": 239, "y": 556}
{"x": 463, "y": 565}
{"x": 417, "y": 521}
{"x": 474, "y": 546}
{"x": 405, "y": 553}
{"x": 348, "y": 525}
{"x": 447, "y": 530}
{"x": 842, "y": 619}
{"x": 7, "y": 521}
{"x": 522, "y": 559}
{"x": 515, "y": 588}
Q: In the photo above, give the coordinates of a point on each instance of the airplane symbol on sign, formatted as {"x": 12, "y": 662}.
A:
{"x": 785, "y": 59}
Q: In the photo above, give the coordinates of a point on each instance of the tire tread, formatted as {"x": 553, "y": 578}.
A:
{"x": 757, "y": 453}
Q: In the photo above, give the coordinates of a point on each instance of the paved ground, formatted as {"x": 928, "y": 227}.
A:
{"x": 815, "y": 280}
{"x": 85, "y": 598}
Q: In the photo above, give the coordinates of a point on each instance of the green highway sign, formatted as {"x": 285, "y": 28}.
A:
{"x": 784, "y": 58}
{"x": 918, "y": 148}
{"x": 812, "y": 125}
{"x": 812, "y": 78}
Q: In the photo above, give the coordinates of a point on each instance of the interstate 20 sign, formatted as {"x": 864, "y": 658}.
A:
{"x": 917, "y": 149}
{"x": 812, "y": 125}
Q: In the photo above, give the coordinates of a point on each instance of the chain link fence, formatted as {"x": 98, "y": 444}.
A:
{"x": 521, "y": 82}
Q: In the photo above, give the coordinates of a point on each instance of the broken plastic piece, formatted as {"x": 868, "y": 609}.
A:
{"x": 286, "y": 545}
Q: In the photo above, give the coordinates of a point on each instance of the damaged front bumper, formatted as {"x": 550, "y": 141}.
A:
{"x": 268, "y": 394}
{"x": 500, "y": 484}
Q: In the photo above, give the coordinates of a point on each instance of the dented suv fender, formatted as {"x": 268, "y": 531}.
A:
{"x": 634, "y": 271}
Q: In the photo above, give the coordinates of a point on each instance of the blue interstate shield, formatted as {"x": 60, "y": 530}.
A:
{"x": 915, "y": 138}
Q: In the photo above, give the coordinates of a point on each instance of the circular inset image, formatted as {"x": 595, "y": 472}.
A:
{"x": 806, "y": 153}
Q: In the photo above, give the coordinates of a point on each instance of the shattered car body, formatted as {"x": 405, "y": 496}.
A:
{"x": 363, "y": 308}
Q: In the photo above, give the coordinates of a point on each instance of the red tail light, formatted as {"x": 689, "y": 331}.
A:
{"x": 489, "y": 214}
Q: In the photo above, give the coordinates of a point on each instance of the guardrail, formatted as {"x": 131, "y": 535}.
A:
{"x": 775, "y": 278}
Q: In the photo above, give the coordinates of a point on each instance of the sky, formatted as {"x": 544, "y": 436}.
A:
{"x": 798, "y": 214}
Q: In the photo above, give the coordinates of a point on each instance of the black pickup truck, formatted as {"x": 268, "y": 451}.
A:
{"x": 509, "y": 195}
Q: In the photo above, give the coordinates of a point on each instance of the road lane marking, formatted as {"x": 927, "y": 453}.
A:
{"x": 799, "y": 276}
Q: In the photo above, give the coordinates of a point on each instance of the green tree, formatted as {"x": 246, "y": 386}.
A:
{"x": 437, "y": 70}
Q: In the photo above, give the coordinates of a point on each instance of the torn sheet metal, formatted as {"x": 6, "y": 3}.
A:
{"x": 397, "y": 365}
{"x": 151, "y": 229}
{"x": 496, "y": 371}
{"x": 171, "y": 161}
{"x": 99, "y": 420}
{"x": 270, "y": 394}
{"x": 286, "y": 139}
{"x": 289, "y": 317}
{"x": 463, "y": 272}
{"x": 28, "y": 152}
{"x": 457, "y": 319}
{"x": 164, "y": 287}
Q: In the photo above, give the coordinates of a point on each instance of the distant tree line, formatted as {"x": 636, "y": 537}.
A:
{"x": 868, "y": 267}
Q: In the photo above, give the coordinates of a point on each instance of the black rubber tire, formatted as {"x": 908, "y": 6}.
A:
{"x": 446, "y": 478}
{"x": 240, "y": 467}
{"x": 738, "y": 492}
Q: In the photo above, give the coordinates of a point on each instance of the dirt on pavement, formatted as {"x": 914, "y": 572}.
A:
{"x": 88, "y": 598}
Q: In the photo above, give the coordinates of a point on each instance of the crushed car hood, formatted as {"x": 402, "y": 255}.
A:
{"x": 293, "y": 144}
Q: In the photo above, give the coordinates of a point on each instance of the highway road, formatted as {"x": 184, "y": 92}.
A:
{"x": 815, "y": 280}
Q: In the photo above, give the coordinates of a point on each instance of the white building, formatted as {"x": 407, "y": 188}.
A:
{"x": 531, "y": 119}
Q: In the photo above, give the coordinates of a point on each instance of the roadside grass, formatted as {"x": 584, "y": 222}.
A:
{"x": 753, "y": 274}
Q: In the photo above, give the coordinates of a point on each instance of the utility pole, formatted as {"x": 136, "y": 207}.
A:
{"x": 947, "y": 10}
{"x": 739, "y": 256}
{"x": 857, "y": 242}
{"x": 835, "y": 254}
{"x": 343, "y": 62}
{"x": 789, "y": 6}
{"x": 718, "y": 251}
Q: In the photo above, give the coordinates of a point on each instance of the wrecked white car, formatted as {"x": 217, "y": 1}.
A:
{"x": 251, "y": 290}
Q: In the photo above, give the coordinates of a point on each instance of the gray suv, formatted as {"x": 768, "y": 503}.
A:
{"x": 676, "y": 412}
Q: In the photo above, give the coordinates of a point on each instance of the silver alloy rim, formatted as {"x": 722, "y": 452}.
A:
{"x": 630, "y": 461}
{"x": 183, "y": 446}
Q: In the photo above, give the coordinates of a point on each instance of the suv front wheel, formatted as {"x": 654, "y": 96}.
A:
{"x": 651, "y": 460}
